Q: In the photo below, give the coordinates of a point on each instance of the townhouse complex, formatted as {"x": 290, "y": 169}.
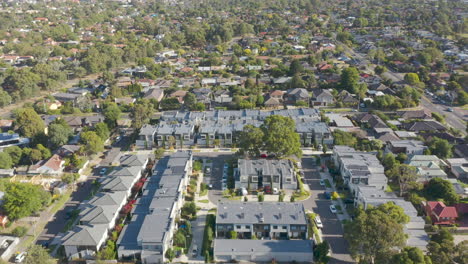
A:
{"x": 264, "y": 231}
{"x": 222, "y": 127}
{"x": 259, "y": 173}
{"x": 150, "y": 231}
{"x": 99, "y": 216}
{"x": 364, "y": 175}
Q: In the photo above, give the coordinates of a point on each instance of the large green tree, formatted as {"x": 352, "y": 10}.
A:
{"x": 15, "y": 154}
{"x": 59, "y": 134}
{"x": 141, "y": 113}
{"x": 374, "y": 233}
{"x": 440, "y": 147}
{"x": 5, "y": 161}
{"x": 349, "y": 79}
{"x": 438, "y": 188}
{"x": 405, "y": 175}
{"x": 251, "y": 140}
{"x": 24, "y": 199}
{"x": 28, "y": 122}
{"x": 411, "y": 255}
{"x": 280, "y": 137}
{"x": 112, "y": 114}
{"x": 38, "y": 254}
{"x": 91, "y": 142}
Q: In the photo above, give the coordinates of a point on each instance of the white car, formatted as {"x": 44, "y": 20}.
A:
{"x": 318, "y": 222}
{"x": 322, "y": 183}
{"x": 275, "y": 191}
{"x": 333, "y": 209}
{"x": 20, "y": 257}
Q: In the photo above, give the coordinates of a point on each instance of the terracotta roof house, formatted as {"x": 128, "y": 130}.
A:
{"x": 277, "y": 94}
{"x": 439, "y": 213}
{"x": 53, "y": 166}
{"x": 273, "y": 103}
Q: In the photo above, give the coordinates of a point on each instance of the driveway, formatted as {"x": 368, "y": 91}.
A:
{"x": 332, "y": 229}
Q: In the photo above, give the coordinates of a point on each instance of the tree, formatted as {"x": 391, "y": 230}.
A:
{"x": 19, "y": 231}
{"x": 349, "y": 79}
{"x": 59, "y": 134}
{"x": 280, "y": 137}
{"x": 170, "y": 255}
{"x": 28, "y": 122}
{"x": 373, "y": 233}
{"x": 412, "y": 78}
{"x": 411, "y": 255}
{"x": 158, "y": 153}
{"x": 232, "y": 234}
{"x": 45, "y": 152}
{"x": 189, "y": 209}
{"x": 389, "y": 161}
{"x": 5, "y": 98}
{"x": 190, "y": 100}
{"x": 321, "y": 252}
{"x": 91, "y": 142}
{"x": 38, "y": 254}
{"x": 344, "y": 138}
{"x": 405, "y": 175}
{"x": 112, "y": 114}
{"x": 102, "y": 130}
{"x": 141, "y": 113}
{"x": 440, "y": 147}
{"x": 171, "y": 103}
{"x": 295, "y": 68}
{"x": 439, "y": 188}
{"x": 251, "y": 140}
{"x": 441, "y": 248}
{"x": 179, "y": 238}
{"x": 24, "y": 199}
{"x": 15, "y": 154}
{"x": 5, "y": 161}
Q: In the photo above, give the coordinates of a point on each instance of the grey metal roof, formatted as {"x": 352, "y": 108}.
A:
{"x": 125, "y": 172}
{"x": 265, "y": 167}
{"x": 263, "y": 246}
{"x": 84, "y": 235}
{"x": 147, "y": 130}
{"x": 260, "y": 212}
{"x": 133, "y": 160}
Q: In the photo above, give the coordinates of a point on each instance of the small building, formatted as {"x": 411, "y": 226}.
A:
{"x": 8, "y": 140}
{"x": 428, "y": 167}
{"x": 458, "y": 167}
{"x": 408, "y": 147}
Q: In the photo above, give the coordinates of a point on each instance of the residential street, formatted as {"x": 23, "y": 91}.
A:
{"x": 332, "y": 229}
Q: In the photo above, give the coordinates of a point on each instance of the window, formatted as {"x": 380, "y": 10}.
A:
{"x": 285, "y": 227}
{"x": 293, "y": 227}
{"x": 355, "y": 180}
{"x": 275, "y": 227}
{"x": 159, "y": 138}
{"x": 186, "y": 137}
{"x": 238, "y": 227}
{"x": 303, "y": 228}
{"x": 211, "y": 136}
{"x": 203, "y": 136}
{"x": 288, "y": 180}
{"x": 265, "y": 227}
{"x": 247, "y": 227}
{"x": 254, "y": 179}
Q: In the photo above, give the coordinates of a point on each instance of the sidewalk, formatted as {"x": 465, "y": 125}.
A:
{"x": 339, "y": 202}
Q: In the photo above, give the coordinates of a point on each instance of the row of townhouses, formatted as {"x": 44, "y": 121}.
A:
{"x": 265, "y": 231}
{"x": 259, "y": 173}
{"x": 99, "y": 215}
{"x": 223, "y": 128}
{"x": 150, "y": 231}
{"x": 364, "y": 175}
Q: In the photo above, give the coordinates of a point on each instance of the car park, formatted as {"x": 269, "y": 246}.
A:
{"x": 333, "y": 209}
{"x": 318, "y": 222}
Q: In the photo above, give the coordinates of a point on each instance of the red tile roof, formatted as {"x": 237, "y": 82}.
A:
{"x": 441, "y": 210}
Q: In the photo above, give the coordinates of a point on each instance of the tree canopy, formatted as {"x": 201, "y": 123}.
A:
{"x": 28, "y": 122}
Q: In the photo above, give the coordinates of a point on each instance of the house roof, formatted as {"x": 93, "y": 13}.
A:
{"x": 133, "y": 160}
{"x": 260, "y": 212}
{"x": 425, "y": 126}
{"x": 85, "y": 235}
{"x": 441, "y": 210}
{"x": 461, "y": 150}
{"x": 277, "y": 93}
{"x": 272, "y": 101}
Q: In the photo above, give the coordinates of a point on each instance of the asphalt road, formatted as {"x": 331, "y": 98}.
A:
{"x": 456, "y": 119}
{"x": 332, "y": 230}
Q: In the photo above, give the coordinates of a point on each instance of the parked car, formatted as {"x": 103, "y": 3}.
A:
{"x": 348, "y": 201}
{"x": 210, "y": 186}
{"x": 264, "y": 156}
{"x": 226, "y": 166}
{"x": 20, "y": 257}
{"x": 333, "y": 209}
{"x": 318, "y": 222}
{"x": 103, "y": 171}
{"x": 327, "y": 195}
{"x": 450, "y": 109}
{"x": 207, "y": 170}
{"x": 267, "y": 189}
{"x": 322, "y": 182}
{"x": 275, "y": 191}
{"x": 194, "y": 250}
{"x": 118, "y": 138}
{"x": 224, "y": 187}
{"x": 244, "y": 191}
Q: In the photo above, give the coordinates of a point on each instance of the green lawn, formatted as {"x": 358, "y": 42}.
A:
{"x": 203, "y": 201}
{"x": 313, "y": 228}
{"x": 327, "y": 183}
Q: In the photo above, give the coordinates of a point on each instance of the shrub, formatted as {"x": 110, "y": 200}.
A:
{"x": 19, "y": 231}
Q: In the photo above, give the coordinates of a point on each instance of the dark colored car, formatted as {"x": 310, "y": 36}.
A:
{"x": 327, "y": 195}
{"x": 348, "y": 201}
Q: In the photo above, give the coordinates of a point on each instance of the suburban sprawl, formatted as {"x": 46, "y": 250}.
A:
{"x": 227, "y": 131}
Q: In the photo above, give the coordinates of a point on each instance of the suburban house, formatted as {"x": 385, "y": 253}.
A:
{"x": 149, "y": 233}
{"x": 408, "y": 147}
{"x": 428, "y": 167}
{"x": 461, "y": 150}
{"x": 359, "y": 168}
{"x": 8, "y": 140}
{"x": 180, "y": 94}
{"x": 53, "y": 166}
{"x": 263, "y": 220}
{"x": 458, "y": 167}
{"x": 155, "y": 93}
{"x": 439, "y": 213}
{"x": 424, "y": 126}
{"x": 314, "y": 133}
{"x": 265, "y": 231}
{"x": 297, "y": 95}
{"x": 322, "y": 97}
{"x": 416, "y": 114}
{"x": 174, "y": 135}
{"x": 99, "y": 215}
{"x": 259, "y": 173}
{"x": 222, "y": 97}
